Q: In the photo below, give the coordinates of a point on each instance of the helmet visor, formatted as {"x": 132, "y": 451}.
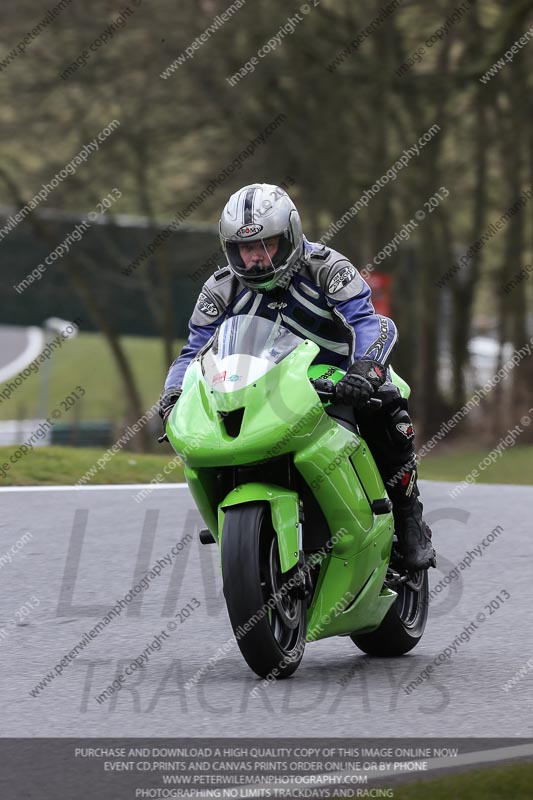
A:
{"x": 258, "y": 261}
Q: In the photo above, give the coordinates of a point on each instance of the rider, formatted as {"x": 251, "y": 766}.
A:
{"x": 318, "y": 294}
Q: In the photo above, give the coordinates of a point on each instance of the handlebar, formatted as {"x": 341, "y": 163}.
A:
{"x": 327, "y": 390}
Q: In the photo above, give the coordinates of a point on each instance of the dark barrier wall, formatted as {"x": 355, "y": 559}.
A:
{"x": 112, "y": 257}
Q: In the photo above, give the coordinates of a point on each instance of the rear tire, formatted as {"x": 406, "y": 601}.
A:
{"x": 251, "y": 573}
{"x": 404, "y": 624}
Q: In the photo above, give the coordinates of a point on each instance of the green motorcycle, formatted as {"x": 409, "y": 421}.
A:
{"x": 290, "y": 492}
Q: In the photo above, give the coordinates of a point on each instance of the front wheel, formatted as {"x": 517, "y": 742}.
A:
{"x": 266, "y": 613}
{"x": 404, "y": 624}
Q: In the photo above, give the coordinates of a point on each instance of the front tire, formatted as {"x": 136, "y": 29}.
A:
{"x": 271, "y": 637}
{"x": 404, "y": 624}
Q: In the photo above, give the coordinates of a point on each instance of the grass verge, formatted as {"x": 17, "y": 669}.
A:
{"x": 65, "y": 465}
{"x": 47, "y": 466}
{"x": 512, "y": 782}
{"x": 513, "y": 466}
{"x": 86, "y": 361}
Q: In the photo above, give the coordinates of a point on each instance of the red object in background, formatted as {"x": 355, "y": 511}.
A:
{"x": 381, "y": 289}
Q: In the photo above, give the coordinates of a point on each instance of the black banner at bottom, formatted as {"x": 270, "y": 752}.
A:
{"x": 127, "y": 769}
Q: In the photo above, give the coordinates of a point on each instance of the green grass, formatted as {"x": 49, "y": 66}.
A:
{"x": 47, "y": 466}
{"x": 513, "y": 466}
{"x": 512, "y": 782}
{"x": 65, "y": 465}
{"x": 87, "y": 361}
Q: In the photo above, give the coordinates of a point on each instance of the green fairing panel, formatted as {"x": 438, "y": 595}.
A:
{"x": 337, "y": 466}
{"x": 201, "y": 485}
{"x": 325, "y": 372}
{"x": 403, "y": 386}
{"x": 351, "y": 598}
{"x": 284, "y": 415}
{"x": 284, "y": 509}
{"x": 281, "y": 411}
{"x": 281, "y": 414}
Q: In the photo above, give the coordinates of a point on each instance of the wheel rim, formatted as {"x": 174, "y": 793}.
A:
{"x": 410, "y": 600}
{"x": 285, "y": 615}
{"x": 287, "y": 606}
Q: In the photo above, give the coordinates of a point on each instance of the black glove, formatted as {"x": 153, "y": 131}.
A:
{"x": 167, "y": 401}
{"x": 361, "y": 380}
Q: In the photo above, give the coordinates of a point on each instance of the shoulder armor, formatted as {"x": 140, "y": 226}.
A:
{"x": 320, "y": 251}
{"x": 217, "y": 293}
{"x": 336, "y": 276}
{"x": 223, "y": 272}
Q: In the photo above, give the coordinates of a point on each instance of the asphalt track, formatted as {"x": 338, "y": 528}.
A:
{"x": 69, "y": 574}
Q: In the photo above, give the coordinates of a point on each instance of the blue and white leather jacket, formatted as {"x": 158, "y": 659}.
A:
{"x": 326, "y": 301}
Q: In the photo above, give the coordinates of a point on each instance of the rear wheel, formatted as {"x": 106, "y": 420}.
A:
{"x": 270, "y": 630}
{"x": 404, "y": 624}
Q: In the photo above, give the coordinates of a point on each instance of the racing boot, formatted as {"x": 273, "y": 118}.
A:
{"x": 390, "y": 435}
{"x": 414, "y": 535}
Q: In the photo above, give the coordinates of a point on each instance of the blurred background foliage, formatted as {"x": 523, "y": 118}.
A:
{"x": 344, "y": 128}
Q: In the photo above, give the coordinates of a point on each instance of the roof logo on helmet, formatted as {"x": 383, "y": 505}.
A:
{"x": 249, "y": 230}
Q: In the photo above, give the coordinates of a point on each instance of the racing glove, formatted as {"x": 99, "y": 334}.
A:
{"x": 167, "y": 401}
{"x": 361, "y": 380}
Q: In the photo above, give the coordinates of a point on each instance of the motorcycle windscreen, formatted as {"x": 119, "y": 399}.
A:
{"x": 244, "y": 349}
